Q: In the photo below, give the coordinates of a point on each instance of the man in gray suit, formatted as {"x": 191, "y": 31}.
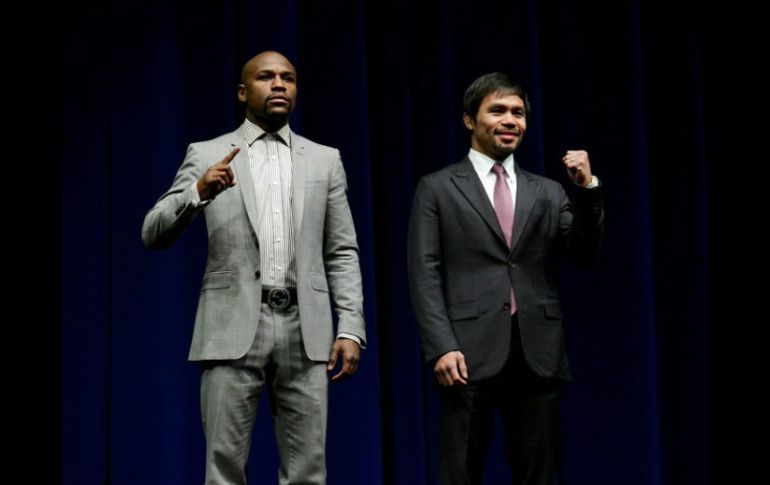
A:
{"x": 281, "y": 240}
{"x": 483, "y": 239}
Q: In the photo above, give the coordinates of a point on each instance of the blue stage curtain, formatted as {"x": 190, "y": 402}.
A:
{"x": 383, "y": 82}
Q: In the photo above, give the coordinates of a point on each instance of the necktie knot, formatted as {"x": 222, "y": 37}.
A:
{"x": 498, "y": 169}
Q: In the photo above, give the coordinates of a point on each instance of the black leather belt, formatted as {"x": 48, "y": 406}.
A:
{"x": 279, "y": 298}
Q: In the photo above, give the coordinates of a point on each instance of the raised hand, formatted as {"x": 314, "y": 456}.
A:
{"x": 218, "y": 177}
{"x": 578, "y": 166}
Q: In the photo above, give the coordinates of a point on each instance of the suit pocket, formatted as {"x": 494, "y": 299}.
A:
{"x": 552, "y": 310}
{"x": 463, "y": 311}
{"x": 217, "y": 279}
{"x": 318, "y": 282}
{"x": 316, "y": 193}
{"x": 315, "y": 185}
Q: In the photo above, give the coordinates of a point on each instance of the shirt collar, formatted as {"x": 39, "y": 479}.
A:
{"x": 252, "y": 132}
{"x": 482, "y": 164}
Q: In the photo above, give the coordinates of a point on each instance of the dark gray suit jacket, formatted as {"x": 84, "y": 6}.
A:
{"x": 461, "y": 270}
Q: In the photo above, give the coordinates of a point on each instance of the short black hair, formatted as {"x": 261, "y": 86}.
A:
{"x": 491, "y": 83}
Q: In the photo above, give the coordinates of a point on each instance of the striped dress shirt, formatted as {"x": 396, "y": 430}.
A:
{"x": 271, "y": 171}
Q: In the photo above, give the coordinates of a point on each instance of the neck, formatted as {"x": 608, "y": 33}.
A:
{"x": 498, "y": 157}
{"x": 270, "y": 126}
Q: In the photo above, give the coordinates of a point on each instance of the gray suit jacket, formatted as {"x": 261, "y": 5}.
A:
{"x": 461, "y": 269}
{"x": 325, "y": 244}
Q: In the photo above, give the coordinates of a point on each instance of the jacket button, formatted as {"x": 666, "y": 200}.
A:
{"x": 507, "y": 307}
{"x": 257, "y": 275}
{"x": 511, "y": 264}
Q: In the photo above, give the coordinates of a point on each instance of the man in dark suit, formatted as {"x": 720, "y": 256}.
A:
{"x": 484, "y": 236}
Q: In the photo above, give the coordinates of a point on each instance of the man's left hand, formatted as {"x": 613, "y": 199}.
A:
{"x": 578, "y": 166}
{"x": 349, "y": 352}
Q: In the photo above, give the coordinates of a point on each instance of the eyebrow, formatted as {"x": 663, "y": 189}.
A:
{"x": 495, "y": 105}
{"x": 272, "y": 71}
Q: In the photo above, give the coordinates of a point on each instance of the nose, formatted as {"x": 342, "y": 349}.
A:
{"x": 509, "y": 120}
{"x": 278, "y": 84}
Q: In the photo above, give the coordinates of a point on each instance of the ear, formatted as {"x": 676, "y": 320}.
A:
{"x": 242, "y": 93}
{"x": 468, "y": 121}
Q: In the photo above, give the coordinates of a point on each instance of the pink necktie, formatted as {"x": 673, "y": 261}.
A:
{"x": 504, "y": 210}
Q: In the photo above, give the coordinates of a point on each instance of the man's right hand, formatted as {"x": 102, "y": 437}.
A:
{"x": 218, "y": 178}
{"x": 451, "y": 370}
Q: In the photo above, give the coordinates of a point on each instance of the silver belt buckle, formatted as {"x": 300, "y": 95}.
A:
{"x": 278, "y": 298}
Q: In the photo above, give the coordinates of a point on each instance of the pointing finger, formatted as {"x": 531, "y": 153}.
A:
{"x": 230, "y": 156}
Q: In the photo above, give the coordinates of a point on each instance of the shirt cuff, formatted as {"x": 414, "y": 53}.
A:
{"x": 196, "y": 198}
{"x": 593, "y": 183}
{"x": 351, "y": 337}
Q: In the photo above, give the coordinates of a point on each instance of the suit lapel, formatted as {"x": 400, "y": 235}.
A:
{"x": 243, "y": 176}
{"x": 526, "y": 195}
{"x": 299, "y": 172}
{"x": 467, "y": 182}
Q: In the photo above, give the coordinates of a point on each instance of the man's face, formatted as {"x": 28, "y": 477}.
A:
{"x": 499, "y": 125}
{"x": 269, "y": 89}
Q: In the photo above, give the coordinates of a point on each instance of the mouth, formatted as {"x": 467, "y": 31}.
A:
{"x": 507, "y": 136}
{"x": 278, "y": 101}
